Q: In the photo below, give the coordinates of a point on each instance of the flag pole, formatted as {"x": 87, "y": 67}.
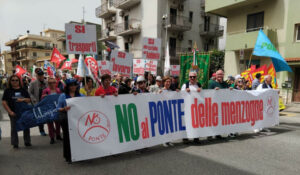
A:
{"x": 250, "y": 60}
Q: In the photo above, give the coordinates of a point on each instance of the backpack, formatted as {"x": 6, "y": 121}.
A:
{"x": 187, "y": 84}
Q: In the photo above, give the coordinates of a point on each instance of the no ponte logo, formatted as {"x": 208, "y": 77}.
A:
{"x": 93, "y": 127}
{"x": 270, "y": 107}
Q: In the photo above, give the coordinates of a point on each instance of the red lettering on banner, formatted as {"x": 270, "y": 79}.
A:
{"x": 94, "y": 120}
{"x": 123, "y": 69}
{"x": 79, "y": 29}
{"x": 204, "y": 115}
{"x": 242, "y": 112}
{"x": 83, "y": 47}
{"x": 121, "y": 54}
{"x": 150, "y": 41}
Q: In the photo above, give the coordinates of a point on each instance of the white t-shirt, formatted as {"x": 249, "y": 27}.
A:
{"x": 260, "y": 87}
{"x": 193, "y": 87}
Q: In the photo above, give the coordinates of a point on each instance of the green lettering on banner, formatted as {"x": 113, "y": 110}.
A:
{"x": 122, "y": 121}
{"x": 268, "y": 46}
{"x": 134, "y": 130}
{"x": 128, "y": 124}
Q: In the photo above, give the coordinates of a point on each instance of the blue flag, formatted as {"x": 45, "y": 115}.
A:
{"x": 43, "y": 112}
{"x": 265, "y": 48}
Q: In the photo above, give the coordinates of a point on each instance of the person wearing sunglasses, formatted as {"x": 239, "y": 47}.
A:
{"x": 15, "y": 93}
{"x": 192, "y": 84}
{"x": 239, "y": 84}
{"x": 71, "y": 91}
{"x": 52, "y": 89}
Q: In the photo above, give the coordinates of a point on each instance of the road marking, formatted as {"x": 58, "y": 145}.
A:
{"x": 287, "y": 114}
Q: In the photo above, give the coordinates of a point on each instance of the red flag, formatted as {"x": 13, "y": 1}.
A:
{"x": 67, "y": 65}
{"x": 74, "y": 60}
{"x": 56, "y": 57}
{"x": 93, "y": 65}
{"x": 19, "y": 71}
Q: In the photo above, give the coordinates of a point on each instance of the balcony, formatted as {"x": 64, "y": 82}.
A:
{"x": 130, "y": 27}
{"x": 211, "y": 30}
{"x": 125, "y": 4}
{"x": 105, "y": 10}
{"x": 245, "y": 40}
{"x": 202, "y": 3}
{"x": 107, "y": 35}
{"x": 222, "y": 7}
{"x": 30, "y": 46}
{"x": 178, "y": 23}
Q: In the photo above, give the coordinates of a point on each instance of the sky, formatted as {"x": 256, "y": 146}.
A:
{"x": 18, "y": 16}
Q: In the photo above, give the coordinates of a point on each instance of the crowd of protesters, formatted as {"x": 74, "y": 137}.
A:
{"x": 25, "y": 90}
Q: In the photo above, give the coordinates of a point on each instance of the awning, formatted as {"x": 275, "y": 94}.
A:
{"x": 292, "y": 59}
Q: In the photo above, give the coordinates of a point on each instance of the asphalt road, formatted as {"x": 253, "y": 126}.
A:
{"x": 275, "y": 152}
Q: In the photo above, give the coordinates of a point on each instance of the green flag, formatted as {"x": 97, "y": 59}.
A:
{"x": 202, "y": 68}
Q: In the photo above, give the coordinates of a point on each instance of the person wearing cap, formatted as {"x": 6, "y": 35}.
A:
{"x": 106, "y": 88}
{"x": 141, "y": 86}
{"x": 35, "y": 91}
{"x": 256, "y": 81}
{"x": 158, "y": 85}
{"x": 192, "y": 84}
{"x": 71, "y": 90}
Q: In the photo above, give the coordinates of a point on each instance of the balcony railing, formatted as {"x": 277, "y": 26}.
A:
{"x": 178, "y": 23}
{"x": 202, "y": 3}
{"x": 34, "y": 46}
{"x": 107, "y": 35}
{"x": 211, "y": 30}
{"x": 129, "y": 27}
{"x": 125, "y": 4}
{"x": 105, "y": 10}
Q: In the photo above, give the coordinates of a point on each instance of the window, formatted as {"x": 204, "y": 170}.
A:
{"x": 33, "y": 43}
{"x": 34, "y": 54}
{"x": 190, "y": 45}
{"x": 47, "y": 54}
{"x": 206, "y": 23}
{"x": 126, "y": 47}
{"x": 255, "y": 21}
{"x": 191, "y": 17}
{"x": 47, "y": 45}
{"x": 172, "y": 47}
{"x": 297, "y": 29}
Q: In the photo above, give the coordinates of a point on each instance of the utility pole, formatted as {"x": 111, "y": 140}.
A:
{"x": 83, "y": 12}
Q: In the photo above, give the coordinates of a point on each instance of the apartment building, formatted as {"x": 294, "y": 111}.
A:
{"x": 178, "y": 22}
{"x": 6, "y": 63}
{"x": 279, "y": 20}
{"x": 31, "y": 49}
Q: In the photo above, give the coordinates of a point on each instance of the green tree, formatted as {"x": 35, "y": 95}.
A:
{"x": 216, "y": 61}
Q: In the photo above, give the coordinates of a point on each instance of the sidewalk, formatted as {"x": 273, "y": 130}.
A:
{"x": 293, "y": 107}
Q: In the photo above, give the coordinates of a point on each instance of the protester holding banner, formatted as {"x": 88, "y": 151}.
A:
{"x": 106, "y": 88}
{"x": 219, "y": 83}
{"x": 150, "y": 79}
{"x": 125, "y": 86}
{"x": 35, "y": 91}
{"x": 192, "y": 84}
{"x": 12, "y": 95}
{"x": 166, "y": 84}
{"x": 51, "y": 89}
{"x": 158, "y": 85}
{"x": 88, "y": 89}
{"x": 267, "y": 84}
{"x": 239, "y": 84}
{"x": 71, "y": 91}
{"x": 175, "y": 83}
{"x": 141, "y": 86}
{"x": 256, "y": 81}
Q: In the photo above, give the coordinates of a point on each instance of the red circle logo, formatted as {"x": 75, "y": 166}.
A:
{"x": 93, "y": 127}
{"x": 270, "y": 107}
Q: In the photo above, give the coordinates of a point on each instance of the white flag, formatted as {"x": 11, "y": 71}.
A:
{"x": 167, "y": 61}
{"x": 80, "y": 67}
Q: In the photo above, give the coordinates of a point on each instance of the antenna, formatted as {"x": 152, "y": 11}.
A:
{"x": 83, "y": 12}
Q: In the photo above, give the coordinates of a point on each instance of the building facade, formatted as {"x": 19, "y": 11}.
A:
{"x": 179, "y": 23}
{"x": 279, "y": 20}
{"x": 30, "y": 49}
{"x": 6, "y": 63}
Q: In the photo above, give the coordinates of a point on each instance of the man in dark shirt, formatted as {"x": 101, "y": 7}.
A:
{"x": 219, "y": 83}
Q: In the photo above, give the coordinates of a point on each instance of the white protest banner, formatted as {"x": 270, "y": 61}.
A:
{"x": 121, "y": 62}
{"x": 104, "y": 67}
{"x": 151, "y": 66}
{"x": 105, "y": 126}
{"x": 139, "y": 66}
{"x": 175, "y": 70}
{"x": 151, "y": 48}
{"x": 81, "y": 39}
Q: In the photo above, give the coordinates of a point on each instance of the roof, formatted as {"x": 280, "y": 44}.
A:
{"x": 292, "y": 59}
